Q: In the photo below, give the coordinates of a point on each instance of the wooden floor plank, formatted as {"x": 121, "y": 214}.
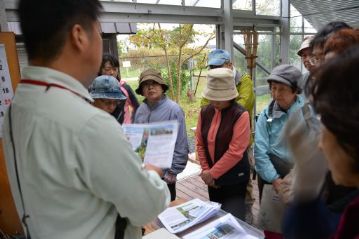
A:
{"x": 193, "y": 187}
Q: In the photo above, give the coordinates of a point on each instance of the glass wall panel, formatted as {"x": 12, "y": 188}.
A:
{"x": 294, "y": 45}
{"x": 299, "y": 28}
{"x": 204, "y": 3}
{"x": 117, "y": 0}
{"x": 268, "y": 7}
{"x": 167, "y": 2}
{"x": 296, "y": 20}
{"x": 242, "y": 5}
{"x": 308, "y": 28}
{"x": 268, "y": 56}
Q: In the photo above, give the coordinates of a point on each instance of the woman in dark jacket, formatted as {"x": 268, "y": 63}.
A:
{"x": 124, "y": 113}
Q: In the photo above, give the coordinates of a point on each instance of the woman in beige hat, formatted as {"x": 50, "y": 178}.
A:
{"x": 222, "y": 136}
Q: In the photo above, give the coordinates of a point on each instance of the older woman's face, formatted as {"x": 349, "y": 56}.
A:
{"x": 152, "y": 91}
{"x": 283, "y": 94}
{"x": 340, "y": 163}
{"x": 306, "y": 55}
{"x": 220, "y": 105}
{"x": 317, "y": 56}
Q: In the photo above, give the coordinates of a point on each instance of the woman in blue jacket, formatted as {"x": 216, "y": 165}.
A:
{"x": 272, "y": 161}
{"x": 158, "y": 107}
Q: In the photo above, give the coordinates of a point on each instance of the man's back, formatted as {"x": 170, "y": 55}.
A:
{"x": 76, "y": 168}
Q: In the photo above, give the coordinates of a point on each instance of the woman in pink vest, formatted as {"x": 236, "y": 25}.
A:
{"x": 223, "y": 134}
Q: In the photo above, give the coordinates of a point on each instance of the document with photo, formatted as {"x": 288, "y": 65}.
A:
{"x": 181, "y": 217}
{"x": 226, "y": 227}
{"x": 154, "y": 142}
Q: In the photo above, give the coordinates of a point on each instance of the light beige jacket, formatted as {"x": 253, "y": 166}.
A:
{"x": 77, "y": 170}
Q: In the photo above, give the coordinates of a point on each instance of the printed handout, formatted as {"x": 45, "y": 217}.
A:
{"x": 181, "y": 217}
{"x": 226, "y": 227}
{"x": 154, "y": 142}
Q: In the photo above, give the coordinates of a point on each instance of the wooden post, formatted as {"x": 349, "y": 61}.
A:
{"x": 9, "y": 220}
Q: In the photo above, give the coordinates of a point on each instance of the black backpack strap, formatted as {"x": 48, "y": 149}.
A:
{"x": 25, "y": 216}
{"x": 269, "y": 116}
{"x": 121, "y": 224}
{"x": 270, "y": 110}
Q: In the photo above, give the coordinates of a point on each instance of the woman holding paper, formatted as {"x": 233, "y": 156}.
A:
{"x": 156, "y": 107}
{"x": 222, "y": 137}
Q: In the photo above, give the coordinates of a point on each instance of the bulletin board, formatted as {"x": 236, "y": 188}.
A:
{"x": 9, "y": 78}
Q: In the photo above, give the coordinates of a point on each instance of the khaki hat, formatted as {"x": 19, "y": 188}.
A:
{"x": 150, "y": 74}
{"x": 305, "y": 44}
{"x": 220, "y": 85}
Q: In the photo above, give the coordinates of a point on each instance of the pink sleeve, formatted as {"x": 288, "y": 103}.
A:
{"x": 237, "y": 146}
{"x": 200, "y": 146}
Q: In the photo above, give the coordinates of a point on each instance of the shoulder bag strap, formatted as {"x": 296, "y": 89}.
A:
{"x": 25, "y": 216}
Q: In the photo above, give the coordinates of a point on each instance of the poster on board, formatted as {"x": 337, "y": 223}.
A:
{"x": 6, "y": 91}
{"x": 10, "y": 223}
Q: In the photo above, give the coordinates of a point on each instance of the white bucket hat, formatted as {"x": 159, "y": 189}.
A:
{"x": 305, "y": 44}
{"x": 220, "y": 85}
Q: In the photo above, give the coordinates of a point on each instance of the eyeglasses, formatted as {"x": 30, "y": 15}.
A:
{"x": 315, "y": 60}
{"x": 149, "y": 83}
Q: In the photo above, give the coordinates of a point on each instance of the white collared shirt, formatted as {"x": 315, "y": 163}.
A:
{"x": 76, "y": 168}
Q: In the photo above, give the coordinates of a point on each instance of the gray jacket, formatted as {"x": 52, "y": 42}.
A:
{"x": 165, "y": 110}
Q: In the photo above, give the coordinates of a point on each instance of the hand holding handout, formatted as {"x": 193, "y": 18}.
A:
{"x": 154, "y": 168}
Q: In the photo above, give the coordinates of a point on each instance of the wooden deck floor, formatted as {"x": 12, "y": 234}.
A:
{"x": 194, "y": 187}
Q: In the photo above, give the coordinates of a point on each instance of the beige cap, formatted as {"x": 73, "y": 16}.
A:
{"x": 305, "y": 44}
{"x": 220, "y": 85}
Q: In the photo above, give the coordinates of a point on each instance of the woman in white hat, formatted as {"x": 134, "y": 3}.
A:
{"x": 222, "y": 136}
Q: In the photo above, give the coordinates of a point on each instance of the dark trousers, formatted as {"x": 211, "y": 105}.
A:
{"x": 172, "y": 188}
{"x": 232, "y": 198}
{"x": 261, "y": 183}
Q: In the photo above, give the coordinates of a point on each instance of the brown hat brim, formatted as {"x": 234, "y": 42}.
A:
{"x": 154, "y": 78}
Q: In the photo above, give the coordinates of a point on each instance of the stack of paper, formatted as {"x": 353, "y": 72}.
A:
{"x": 181, "y": 217}
{"x": 226, "y": 227}
{"x": 160, "y": 234}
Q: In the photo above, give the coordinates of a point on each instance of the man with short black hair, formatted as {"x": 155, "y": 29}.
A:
{"x": 73, "y": 174}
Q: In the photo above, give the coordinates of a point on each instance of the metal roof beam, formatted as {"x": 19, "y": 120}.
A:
{"x": 140, "y": 12}
{"x": 125, "y": 12}
{"x": 247, "y": 18}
